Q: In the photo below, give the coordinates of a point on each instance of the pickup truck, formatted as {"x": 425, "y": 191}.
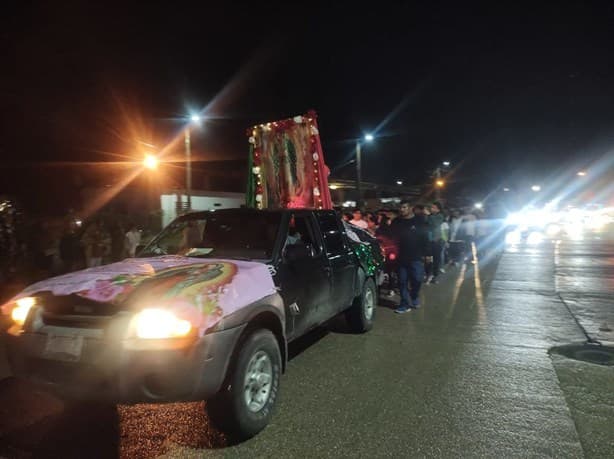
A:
{"x": 205, "y": 312}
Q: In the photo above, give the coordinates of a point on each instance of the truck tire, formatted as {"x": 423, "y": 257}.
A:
{"x": 361, "y": 314}
{"x": 245, "y": 405}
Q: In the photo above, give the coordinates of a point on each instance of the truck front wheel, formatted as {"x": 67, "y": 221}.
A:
{"x": 245, "y": 406}
{"x": 361, "y": 314}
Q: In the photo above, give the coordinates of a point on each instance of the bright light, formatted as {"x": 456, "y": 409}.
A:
{"x": 19, "y": 314}
{"x": 515, "y": 218}
{"x": 369, "y": 137}
{"x": 506, "y": 189}
{"x": 597, "y": 222}
{"x": 150, "y": 162}
{"x": 78, "y": 222}
{"x": 553, "y": 230}
{"x": 440, "y": 183}
{"x": 581, "y": 173}
{"x": 160, "y": 324}
{"x": 536, "y": 188}
{"x": 574, "y": 231}
{"x": 195, "y": 118}
{"x": 513, "y": 238}
{"x": 446, "y": 163}
{"x": 478, "y": 205}
{"x": 332, "y": 186}
{"x": 399, "y": 182}
{"x": 349, "y": 204}
{"x": 535, "y": 238}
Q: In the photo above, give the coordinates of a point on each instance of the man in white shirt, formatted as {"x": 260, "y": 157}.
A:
{"x": 357, "y": 220}
{"x": 132, "y": 241}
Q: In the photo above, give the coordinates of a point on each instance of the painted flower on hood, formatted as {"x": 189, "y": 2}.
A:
{"x": 103, "y": 291}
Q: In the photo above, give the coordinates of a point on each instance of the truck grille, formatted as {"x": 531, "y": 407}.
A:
{"x": 77, "y": 312}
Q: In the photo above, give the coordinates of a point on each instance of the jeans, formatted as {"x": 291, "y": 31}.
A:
{"x": 411, "y": 274}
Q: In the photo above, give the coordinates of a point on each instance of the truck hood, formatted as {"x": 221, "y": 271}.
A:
{"x": 202, "y": 291}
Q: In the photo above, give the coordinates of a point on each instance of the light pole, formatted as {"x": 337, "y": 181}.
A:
{"x": 188, "y": 160}
{"x": 439, "y": 182}
{"x": 368, "y": 138}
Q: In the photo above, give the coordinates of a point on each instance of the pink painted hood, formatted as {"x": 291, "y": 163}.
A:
{"x": 202, "y": 291}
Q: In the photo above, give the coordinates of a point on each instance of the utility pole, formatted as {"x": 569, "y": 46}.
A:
{"x": 188, "y": 168}
{"x": 358, "y": 176}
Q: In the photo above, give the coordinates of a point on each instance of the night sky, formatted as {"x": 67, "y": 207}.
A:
{"x": 506, "y": 94}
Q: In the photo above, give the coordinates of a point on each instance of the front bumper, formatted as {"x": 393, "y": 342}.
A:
{"x": 122, "y": 371}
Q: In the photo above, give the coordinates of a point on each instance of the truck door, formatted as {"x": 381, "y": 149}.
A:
{"x": 304, "y": 283}
{"x": 341, "y": 261}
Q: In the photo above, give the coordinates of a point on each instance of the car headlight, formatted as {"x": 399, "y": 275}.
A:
{"x": 160, "y": 324}
{"x": 22, "y": 307}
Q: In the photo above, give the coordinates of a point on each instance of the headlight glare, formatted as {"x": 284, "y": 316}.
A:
{"x": 160, "y": 324}
{"x": 19, "y": 314}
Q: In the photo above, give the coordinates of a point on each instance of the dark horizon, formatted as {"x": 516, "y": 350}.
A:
{"x": 506, "y": 94}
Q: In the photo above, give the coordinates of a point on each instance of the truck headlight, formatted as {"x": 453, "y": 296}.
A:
{"x": 22, "y": 307}
{"x": 160, "y": 324}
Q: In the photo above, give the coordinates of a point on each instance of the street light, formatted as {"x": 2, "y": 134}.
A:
{"x": 446, "y": 163}
{"x": 399, "y": 182}
{"x": 536, "y": 188}
{"x": 506, "y": 189}
{"x": 581, "y": 174}
{"x": 478, "y": 205}
{"x": 188, "y": 158}
{"x": 368, "y": 138}
{"x": 150, "y": 162}
{"x": 440, "y": 183}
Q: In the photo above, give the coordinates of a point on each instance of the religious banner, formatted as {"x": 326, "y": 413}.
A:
{"x": 286, "y": 165}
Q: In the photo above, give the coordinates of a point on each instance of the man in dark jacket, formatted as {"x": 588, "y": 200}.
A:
{"x": 412, "y": 236}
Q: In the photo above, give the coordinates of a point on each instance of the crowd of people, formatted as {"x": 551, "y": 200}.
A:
{"x": 421, "y": 241}
{"x": 47, "y": 248}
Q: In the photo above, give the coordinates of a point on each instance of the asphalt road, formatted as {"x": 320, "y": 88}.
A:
{"x": 467, "y": 375}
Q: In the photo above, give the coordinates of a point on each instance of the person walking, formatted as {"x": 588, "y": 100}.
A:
{"x": 435, "y": 222}
{"x": 469, "y": 230}
{"x": 385, "y": 237}
{"x": 132, "y": 240}
{"x": 97, "y": 243}
{"x": 357, "y": 219}
{"x": 70, "y": 248}
{"x": 411, "y": 234}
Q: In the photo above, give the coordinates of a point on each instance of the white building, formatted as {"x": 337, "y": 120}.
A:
{"x": 174, "y": 204}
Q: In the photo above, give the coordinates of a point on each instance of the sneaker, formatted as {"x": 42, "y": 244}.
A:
{"x": 442, "y": 271}
{"x": 415, "y": 303}
{"x": 401, "y": 310}
{"x": 429, "y": 279}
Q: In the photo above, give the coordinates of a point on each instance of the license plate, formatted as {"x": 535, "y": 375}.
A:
{"x": 67, "y": 348}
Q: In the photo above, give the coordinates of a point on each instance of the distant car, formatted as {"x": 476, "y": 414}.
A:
{"x": 205, "y": 312}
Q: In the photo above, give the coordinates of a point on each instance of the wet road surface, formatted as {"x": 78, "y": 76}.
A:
{"x": 467, "y": 375}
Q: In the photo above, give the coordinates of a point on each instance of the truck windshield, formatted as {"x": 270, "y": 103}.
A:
{"x": 218, "y": 235}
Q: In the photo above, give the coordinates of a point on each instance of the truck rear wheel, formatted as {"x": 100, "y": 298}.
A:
{"x": 361, "y": 314}
{"x": 245, "y": 406}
